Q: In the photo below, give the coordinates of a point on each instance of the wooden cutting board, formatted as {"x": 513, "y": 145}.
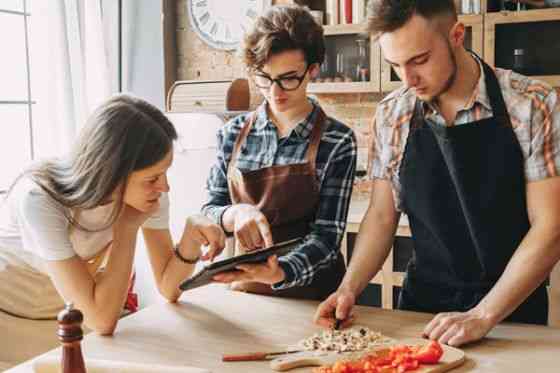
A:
{"x": 452, "y": 357}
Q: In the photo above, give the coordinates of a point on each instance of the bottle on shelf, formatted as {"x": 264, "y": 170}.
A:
{"x": 470, "y": 7}
{"x": 520, "y": 63}
{"x": 341, "y": 75}
{"x": 513, "y": 5}
{"x": 362, "y": 65}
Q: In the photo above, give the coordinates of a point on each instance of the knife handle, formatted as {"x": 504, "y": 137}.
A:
{"x": 253, "y": 356}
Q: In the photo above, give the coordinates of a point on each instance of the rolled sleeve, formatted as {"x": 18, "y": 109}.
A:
{"x": 544, "y": 157}
{"x": 321, "y": 246}
{"x": 385, "y": 157}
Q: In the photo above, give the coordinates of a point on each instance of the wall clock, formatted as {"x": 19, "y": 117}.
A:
{"x": 222, "y": 23}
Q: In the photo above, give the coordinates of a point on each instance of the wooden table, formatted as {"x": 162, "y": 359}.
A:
{"x": 211, "y": 321}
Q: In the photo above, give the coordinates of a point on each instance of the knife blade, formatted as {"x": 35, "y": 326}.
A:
{"x": 257, "y": 356}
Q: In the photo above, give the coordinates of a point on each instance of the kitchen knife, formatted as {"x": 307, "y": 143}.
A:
{"x": 257, "y": 356}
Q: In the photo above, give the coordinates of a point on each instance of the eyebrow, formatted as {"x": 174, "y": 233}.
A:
{"x": 281, "y": 75}
{"x": 154, "y": 175}
{"x": 410, "y": 59}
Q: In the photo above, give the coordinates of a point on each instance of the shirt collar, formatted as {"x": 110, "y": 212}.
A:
{"x": 302, "y": 129}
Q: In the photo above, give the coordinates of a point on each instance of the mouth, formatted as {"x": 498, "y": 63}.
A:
{"x": 154, "y": 200}
{"x": 278, "y": 101}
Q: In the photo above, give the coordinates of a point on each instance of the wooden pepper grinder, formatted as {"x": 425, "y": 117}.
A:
{"x": 70, "y": 335}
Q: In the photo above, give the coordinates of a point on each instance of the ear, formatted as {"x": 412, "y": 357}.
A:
{"x": 457, "y": 35}
{"x": 314, "y": 70}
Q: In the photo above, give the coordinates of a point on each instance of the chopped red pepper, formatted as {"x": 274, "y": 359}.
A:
{"x": 398, "y": 359}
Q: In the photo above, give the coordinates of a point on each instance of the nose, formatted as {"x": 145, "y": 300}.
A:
{"x": 162, "y": 184}
{"x": 409, "y": 77}
{"x": 275, "y": 89}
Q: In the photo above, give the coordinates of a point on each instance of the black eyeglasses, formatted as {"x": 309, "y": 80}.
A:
{"x": 290, "y": 83}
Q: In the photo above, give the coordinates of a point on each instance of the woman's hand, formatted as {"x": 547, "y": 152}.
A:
{"x": 201, "y": 231}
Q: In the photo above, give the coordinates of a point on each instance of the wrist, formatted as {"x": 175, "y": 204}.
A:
{"x": 189, "y": 257}
{"x": 349, "y": 287}
{"x": 482, "y": 312}
{"x": 227, "y": 218}
{"x": 279, "y": 276}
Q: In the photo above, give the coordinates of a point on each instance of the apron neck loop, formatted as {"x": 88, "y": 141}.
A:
{"x": 315, "y": 137}
{"x": 243, "y": 133}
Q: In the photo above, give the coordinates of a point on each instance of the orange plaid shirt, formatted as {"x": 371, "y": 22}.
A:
{"x": 533, "y": 106}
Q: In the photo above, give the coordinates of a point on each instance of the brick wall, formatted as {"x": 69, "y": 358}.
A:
{"x": 197, "y": 60}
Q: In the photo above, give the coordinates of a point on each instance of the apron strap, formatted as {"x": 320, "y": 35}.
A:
{"x": 496, "y": 97}
{"x": 494, "y": 92}
{"x": 315, "y": 137}
{"x": 243, "y": 133}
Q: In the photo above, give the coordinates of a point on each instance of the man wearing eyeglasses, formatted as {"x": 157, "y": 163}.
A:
{"x": 285, "y": 170}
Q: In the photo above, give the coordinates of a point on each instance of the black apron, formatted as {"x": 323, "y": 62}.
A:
{"x": 463, "y": 189}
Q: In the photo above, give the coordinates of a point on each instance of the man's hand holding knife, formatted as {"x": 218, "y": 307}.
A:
{"x": 336, "y": 311}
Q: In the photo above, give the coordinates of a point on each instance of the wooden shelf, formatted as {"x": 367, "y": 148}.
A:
{"x": 549, "y": 14}
{"x": 349, "y": 87}
{"x": 371, "y": 86}
{"x": 345, "y": 29}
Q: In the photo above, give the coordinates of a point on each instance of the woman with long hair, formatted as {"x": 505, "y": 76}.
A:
{"x": 65, "y": 219}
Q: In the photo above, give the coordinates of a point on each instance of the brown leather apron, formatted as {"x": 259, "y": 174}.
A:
{"x": 288, "y": 195}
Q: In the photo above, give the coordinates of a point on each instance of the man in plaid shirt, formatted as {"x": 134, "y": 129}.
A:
{"x": 307, "y": 159}
{"x": 471, "y": 155}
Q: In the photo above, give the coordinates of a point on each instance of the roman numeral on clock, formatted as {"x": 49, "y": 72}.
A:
{"x": 214, "y": 29}
{"x": 204, "y": 19}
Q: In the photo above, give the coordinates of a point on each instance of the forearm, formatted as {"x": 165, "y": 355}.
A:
{"x": 110, "y": 288}
{"x": 373, "y": 244}
{"x": 176, "y": 271}
{"x": 528, "y": 268}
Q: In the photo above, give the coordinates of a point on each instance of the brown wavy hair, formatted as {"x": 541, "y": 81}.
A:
{"x": 389, "y": 15}
{"x": 283, "y": 28}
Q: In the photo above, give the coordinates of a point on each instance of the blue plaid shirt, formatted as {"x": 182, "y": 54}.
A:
{"x": 336, "y": 163}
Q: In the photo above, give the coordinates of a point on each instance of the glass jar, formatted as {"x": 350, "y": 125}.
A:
{"x": 362, "y": 64}
{"x": 513, "y": 5}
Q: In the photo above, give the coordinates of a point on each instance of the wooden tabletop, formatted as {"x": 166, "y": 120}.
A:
{"x": 212, "y": 320}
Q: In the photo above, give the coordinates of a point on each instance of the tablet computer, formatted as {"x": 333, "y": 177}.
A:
{"x": 204, "y": 276}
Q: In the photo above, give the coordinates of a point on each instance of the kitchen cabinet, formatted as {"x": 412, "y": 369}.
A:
{"x": 526, "y": 41}
{"x": 352, "y": 62}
